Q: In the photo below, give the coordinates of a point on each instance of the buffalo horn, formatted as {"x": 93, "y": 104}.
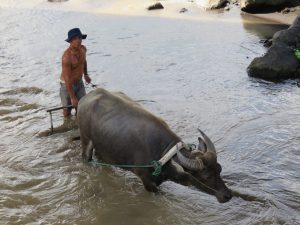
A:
{"x": 192, "y": 164}
{"x": 208, "y": 142}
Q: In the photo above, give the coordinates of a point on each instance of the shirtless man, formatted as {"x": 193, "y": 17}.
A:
{"x": 74, "y": 66}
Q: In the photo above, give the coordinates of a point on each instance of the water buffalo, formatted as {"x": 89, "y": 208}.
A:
{"x": 120, "y": 131}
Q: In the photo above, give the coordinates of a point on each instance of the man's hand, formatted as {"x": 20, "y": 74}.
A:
{"x": 87, "y": 78}
{"x": 74, "y": 102}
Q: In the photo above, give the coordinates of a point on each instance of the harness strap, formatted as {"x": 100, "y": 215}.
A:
{"x": 170, "y": 153}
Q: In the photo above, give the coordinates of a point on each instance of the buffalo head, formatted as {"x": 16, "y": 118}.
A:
{"x": 203, "y": 169}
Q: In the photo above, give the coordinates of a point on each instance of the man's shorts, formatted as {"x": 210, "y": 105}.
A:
{"x": 78, "y": 89}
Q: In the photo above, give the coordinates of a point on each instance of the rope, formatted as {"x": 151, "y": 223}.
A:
{"x": 157, "y": 168}
{"x": 203, "y": 184}
{"x": 191, "y": 146}
{"x": 90, "y": 85}
{"x": 154, "y": 164}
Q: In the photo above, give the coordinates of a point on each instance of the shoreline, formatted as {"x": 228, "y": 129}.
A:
{"x": 276, "y": 17}
{"x": 171, "y": 11}
{"x": 197, "y": 12}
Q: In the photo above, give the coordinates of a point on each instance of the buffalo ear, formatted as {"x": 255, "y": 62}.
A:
{"x": 202, "y": 146}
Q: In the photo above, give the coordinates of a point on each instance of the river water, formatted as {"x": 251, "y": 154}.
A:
{"x": 192, "y": 73}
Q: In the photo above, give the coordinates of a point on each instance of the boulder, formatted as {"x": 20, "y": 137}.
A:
{"x": 215, "y": 4}
{"x": 183, "y": 10}
{"x": 57, "y": 0}
{"x": 156, "y": 6}
{"x": 250, "y": 5}
{"x": 280, "y": 61}
{"x": 235, "y": 2}
{"x": 227, "y": 8}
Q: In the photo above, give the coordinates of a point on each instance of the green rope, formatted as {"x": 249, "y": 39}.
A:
{"x": 154, "y": 164}
{"x": 157, "y": 168}
{"x": 191, "y": 146}
{"x": 297, "y": 53}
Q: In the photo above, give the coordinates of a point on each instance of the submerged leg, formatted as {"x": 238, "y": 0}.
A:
{"x": 87, "y": 150}
{"x": 66, "y": 113}
{"x": 149, "y": 185}
{"x": 147, "y": 182}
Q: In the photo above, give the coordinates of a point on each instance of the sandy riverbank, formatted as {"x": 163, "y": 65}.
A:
{"x": 195, "y": 9}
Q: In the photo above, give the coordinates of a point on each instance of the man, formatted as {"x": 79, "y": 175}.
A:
{"x": 74, "y": 66}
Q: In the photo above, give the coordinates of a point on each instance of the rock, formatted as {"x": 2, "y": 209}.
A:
{"x": 280, "y": 61}
{"x": 276, "y": 64}
{"x": 235, "y": 2}
{"x": 183, "y": 10}
{"x": 266, "y": 42}
{"x": 252, "y": 5}
{"x": 216, "y": 4}
{"x": 156, "y": 6}
{"x": 290, "y": 10}
{"x": 57, "y": 0}
{"x": 285, "y": 11}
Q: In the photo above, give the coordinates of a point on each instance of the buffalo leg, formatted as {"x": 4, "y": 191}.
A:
{"x": 147, "y": 182}
{"x": 87, "y": 150}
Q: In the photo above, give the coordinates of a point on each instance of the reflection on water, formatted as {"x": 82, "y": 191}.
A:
{"x": 263, "y": 29}
{"x": 192, "y": 77}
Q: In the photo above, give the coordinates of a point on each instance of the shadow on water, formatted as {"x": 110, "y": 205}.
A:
{"x": 11, "y": 102}
{"x": 14, "y": 105}
{"x": 23, "y": 108}
{"x": 10, "y": 118}
{"x": 23, "y": 90}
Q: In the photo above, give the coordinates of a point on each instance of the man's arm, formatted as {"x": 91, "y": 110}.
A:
{"x": 85, "y": 69}
{"x": 66, "y": 74}
{"x": 86, "y": 76}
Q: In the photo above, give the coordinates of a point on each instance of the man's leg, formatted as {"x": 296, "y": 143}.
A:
{"x": 66, "y": 113}
{"x": 65, "y": 99}
{"x": 80, "y": 92}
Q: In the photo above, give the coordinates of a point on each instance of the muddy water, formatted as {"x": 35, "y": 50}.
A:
{"x": 192, "y": 74}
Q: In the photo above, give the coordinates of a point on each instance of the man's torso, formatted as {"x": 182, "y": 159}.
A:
{"x": 76, "y": 60}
